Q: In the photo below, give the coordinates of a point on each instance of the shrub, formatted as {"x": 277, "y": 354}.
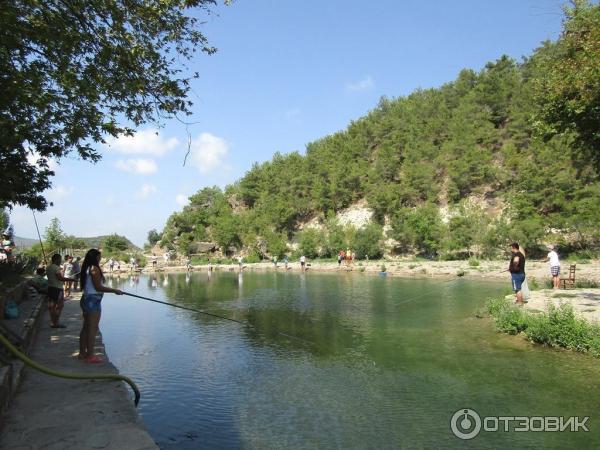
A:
{"x": 558, "y": 327}
{"x": 473, "y": 262}
{"x": 507, "y": 317}
{"x": 367, "y": 241}
{"x": 253, "y": 257}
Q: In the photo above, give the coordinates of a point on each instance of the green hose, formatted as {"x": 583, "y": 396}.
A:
{"x": 70, "y": 376}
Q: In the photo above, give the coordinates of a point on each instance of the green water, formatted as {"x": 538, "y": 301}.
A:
{"x": 387, "y": 364}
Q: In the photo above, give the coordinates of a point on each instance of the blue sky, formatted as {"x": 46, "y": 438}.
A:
{"x": 286, "y": 73}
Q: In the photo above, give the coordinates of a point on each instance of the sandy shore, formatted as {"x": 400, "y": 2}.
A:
{"x": 444, "y": 269}
{"x": 586, "y": 302}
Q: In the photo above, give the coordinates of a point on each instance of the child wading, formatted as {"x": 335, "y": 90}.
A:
{"x": 91, "y": 280}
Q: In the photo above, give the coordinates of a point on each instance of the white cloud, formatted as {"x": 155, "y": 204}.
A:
{"x": 138, "y": 166}
{"x": 208, "y": 152}
{"x": 59, "y": 193}
{"x": 365, "y": 84}
{"x": 34, "y": 158}
{"x": 182, "y": 200}
{"x": 143, "y": 142}
{"x": 145, "y": 191}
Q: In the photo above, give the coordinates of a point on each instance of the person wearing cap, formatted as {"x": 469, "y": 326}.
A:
{"x": 554, "y": 266}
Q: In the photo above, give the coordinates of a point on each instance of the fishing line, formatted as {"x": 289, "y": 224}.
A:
{"x": 214, "y": 315}
{"x": 410, "y": 299}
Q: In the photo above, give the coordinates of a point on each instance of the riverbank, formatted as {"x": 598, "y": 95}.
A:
{"x": 419, "y": 268}
{"x": 57, "y": 413}
{"x": 553, "y": 318}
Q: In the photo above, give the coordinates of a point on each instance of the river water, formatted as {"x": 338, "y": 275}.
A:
{"x": 386, "y": 364}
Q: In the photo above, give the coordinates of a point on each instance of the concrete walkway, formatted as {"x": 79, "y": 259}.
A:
{"x": 54, "y": 413}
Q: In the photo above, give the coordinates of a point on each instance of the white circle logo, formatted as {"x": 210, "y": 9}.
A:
{"x": 465, "y": 423}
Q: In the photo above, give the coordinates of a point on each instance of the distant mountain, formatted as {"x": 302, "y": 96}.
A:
{"x": 99, "y": 240}
{"x": 24, "y": 242}
{"x": 89, "y": 242}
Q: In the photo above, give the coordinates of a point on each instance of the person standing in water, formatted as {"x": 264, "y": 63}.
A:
{"x": 517, "y": 271}
{"x": 91, "y": 280}
{"x": 303, "y": 263}
{"x": 56, "y": 293}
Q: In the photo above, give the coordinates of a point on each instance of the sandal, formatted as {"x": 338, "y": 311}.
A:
{"x": 94, "y": 360}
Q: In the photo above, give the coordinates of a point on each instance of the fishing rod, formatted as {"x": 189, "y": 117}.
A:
{"x": 213, "y": 315}
{"x": 39, "y": 237}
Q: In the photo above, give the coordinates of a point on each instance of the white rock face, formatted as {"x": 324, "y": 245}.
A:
{"x": 358, "y": 215}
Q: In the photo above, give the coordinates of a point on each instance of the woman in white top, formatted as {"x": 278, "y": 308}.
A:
{"x": 91, "y": 280}
{"x": 554, "y": 266}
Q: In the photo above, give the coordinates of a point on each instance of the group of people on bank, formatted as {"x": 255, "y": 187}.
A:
{"x": 56, "y": 281}
{"x": 348, "y": 256}
{"x": 516, "y": 267}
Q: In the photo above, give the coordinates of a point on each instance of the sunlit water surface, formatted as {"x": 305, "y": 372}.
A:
{"x": 388, "y": 363}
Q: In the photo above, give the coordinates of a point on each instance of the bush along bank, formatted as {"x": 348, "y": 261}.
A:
{"x": 556, "y": 327}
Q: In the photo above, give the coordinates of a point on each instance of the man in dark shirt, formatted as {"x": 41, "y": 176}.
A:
{"x": 517, "y": 271}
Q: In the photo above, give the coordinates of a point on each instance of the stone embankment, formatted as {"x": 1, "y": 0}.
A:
{"x": 40, "y": 411}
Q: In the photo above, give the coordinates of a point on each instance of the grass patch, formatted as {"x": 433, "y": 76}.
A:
{"x": 412, "y": 266}
{"x": 587, "y": 284}
{"x": 558, "y": 327}
{"x": 565, "y": 295}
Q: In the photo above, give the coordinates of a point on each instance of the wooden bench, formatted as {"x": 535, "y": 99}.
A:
{"x": 569, "y": 282}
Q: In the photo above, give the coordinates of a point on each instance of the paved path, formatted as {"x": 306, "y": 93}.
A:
{"x": 54, "y": 413}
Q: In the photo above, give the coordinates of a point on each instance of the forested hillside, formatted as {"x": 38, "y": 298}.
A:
{"x": 465, "y": 168}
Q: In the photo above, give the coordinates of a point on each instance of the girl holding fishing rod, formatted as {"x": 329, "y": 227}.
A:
{"x": 91, "y": 282}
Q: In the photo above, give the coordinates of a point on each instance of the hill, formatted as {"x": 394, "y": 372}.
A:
{"x": 463, "y": 169}
{"x": 89, "y": 242}
{"x": 24, "y": 242}
{"x": 98, "y": 241}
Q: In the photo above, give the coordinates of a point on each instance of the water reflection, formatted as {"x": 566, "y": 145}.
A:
{"x": 383, "y": 370}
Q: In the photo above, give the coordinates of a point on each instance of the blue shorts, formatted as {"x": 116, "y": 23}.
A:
{"x": 90, "y": 303}
{"x": 517, "y": 281}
